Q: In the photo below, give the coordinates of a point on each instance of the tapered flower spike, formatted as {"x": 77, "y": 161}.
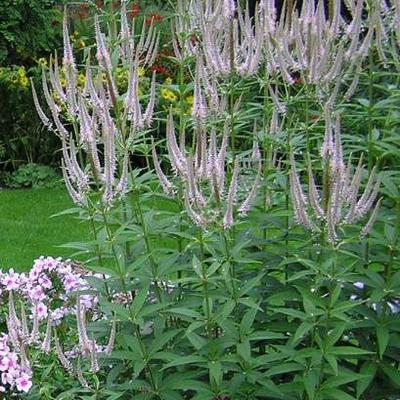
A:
{"x": 84, "y": 342}
{"x": 298, "y": 197}
{"x": 12, "y": 314}
{"x": 77, "y": 197}
{"x": 194, "y": 194}
{"x": 148, "y": 114}
{"x": 35, "y": 327}
{"x": 193, "y": 215}
{"x": 166, "y": 185}
{"x": 178, "y": 160}
{"x": 231, "y": 199}
{"x": 199, "y": 105}
{"x": 24, "y": 324}
{"x": 80, "y": 377}
{"x": 327, "y": 147}
{"x": 68, "y": 58}
{"x": 61, "y": 356}
{"x": 368, "y": 226}
{"x": 313, "y": 194}
{"x": 46, "y": 345}
{"x": 122, "y": 187}
{"x": 125, "y": 35}
{"x": 250, "y": 199}
{"x": 12, "y": 334}
{"x": 70, "y": 67}
{"x": 54, "y": 109}
{"x": 111, "y": 340}
{"x": 55, "y": 79}
{"x": 94, "y": 363}
{"x": 228, "y": 9}
{"x": 104, "y": 59}
{"x": 43, "y": 117}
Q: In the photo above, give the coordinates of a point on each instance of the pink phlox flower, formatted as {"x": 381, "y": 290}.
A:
{"x": 37, "y": 294}
{"x": 41, "y": 310}
{"x": 45, "y": 282}
{"x": 24, "y": 383}
{"x": 11, "y": 280}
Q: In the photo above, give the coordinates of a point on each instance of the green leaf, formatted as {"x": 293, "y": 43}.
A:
{"x": 244, "y": 350}
{"x": 247, "y": 301}
{"x": 252, "y": 283}
{"x": 139, "y": 300}
{"x": 382, "y": 334}
{"x": 348, "y": 351}
{"x": 301, "y": 331}
{"x": 185, "y": 360}
{"x": 247, "y": 321}
{"x": 336, "y": 394}
{"x": 185, "y": 312}
{"x": 368, "y": 369}
{"x": 284, "y": 368}
{"x": 196, "y": 340}
{"x": 392, "y": 373}
{"x": 160, "y": 341}
{"x": 332, "y": 362}
{"x": 197, "y": 267}
{"x": 310, "y": 380}
{"x": 215, "y": 372}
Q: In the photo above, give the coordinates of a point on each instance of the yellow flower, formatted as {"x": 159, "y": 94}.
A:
{"x": 168, "y": 81}
{"x": 63, "y": 82}
{"x": 141, "y": 72}
{"x": 81, "y": 79}
{"x": 24, "y": 81}
{"x": 164, "y": 92}
{"x": 190, "y": 100}
{"x": 14, "y": 79}
{"x": 104, "y": 77}
{"x": 56, "y": 97}
{"x": 21, "y": 72}
{"x": 42, "y": 62}
{"x": 173, "y": 97}
{"x": 168, "y": 95}
{"x": 81, "y": 44}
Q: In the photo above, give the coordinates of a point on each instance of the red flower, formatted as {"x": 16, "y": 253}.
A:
{"x": 82, "y": 14}
{"x": 83, "y": 11}
{"x": 159, "y": 69}
{"x": 135, "y": 10}
{"x": 99, "y": 3}
{"x": 154, "y": 17}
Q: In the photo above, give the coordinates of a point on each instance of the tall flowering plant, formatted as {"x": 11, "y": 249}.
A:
{"x": 202, "y": 304}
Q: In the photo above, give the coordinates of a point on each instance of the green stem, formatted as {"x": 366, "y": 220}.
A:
{"x": 232, "y": 271}
{"x": 148, "y": 246}
{"x": 205, "y": 283}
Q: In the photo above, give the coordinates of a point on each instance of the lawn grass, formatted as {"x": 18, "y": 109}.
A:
{"x": 27, "y": 231}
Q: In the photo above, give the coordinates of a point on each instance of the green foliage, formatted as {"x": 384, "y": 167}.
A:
{"x": 265, "y": 309}
{"x": 28, "y": 29}
{"x": 33, "y": 176}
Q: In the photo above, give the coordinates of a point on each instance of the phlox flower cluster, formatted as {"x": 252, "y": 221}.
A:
{"x": 14, "y": 376}
{"x": 47, "y": 296}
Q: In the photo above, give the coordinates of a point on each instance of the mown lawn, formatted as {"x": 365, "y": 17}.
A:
{"x": 27, "y": 231}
